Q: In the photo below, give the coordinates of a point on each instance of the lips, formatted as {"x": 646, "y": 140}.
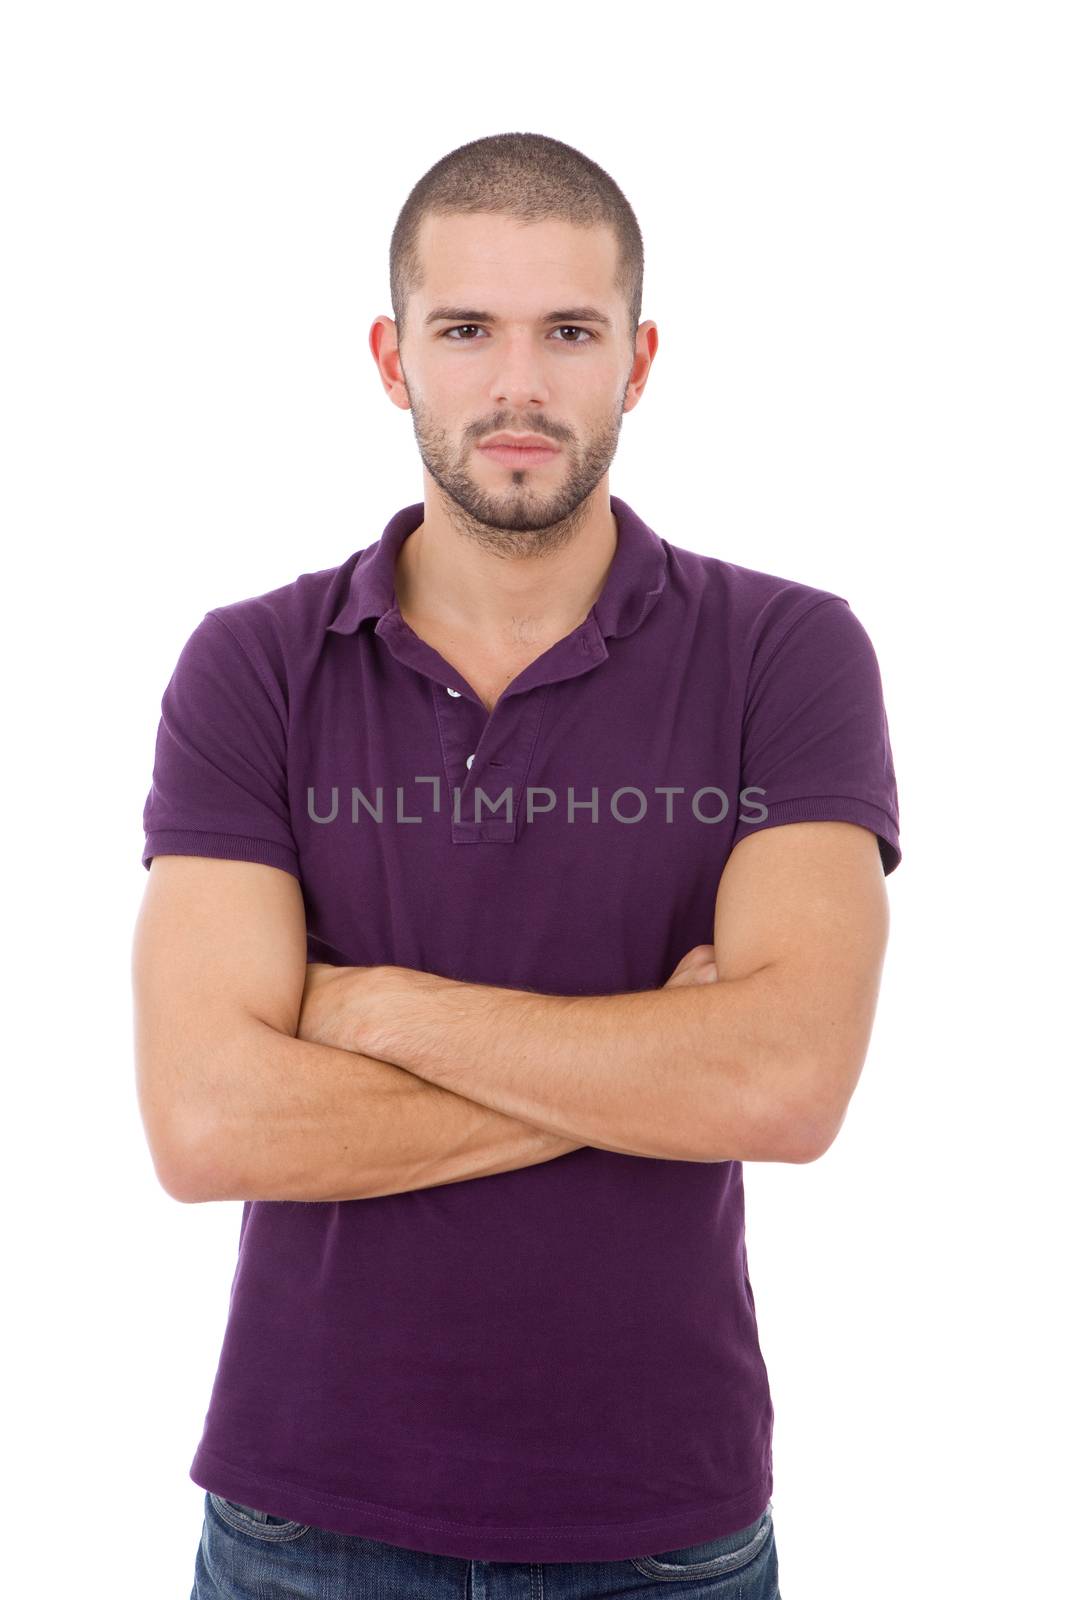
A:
{"x": 523, "y": 456}
{"x": 518, "y": 441}
{"x": 517, "y": 451}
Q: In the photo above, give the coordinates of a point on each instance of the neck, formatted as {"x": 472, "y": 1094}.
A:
{"x": 500, "y": 585}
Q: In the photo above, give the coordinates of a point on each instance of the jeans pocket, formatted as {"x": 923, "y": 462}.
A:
{"x": 733, "y": 1563}
{"x": 255, "y": 1523}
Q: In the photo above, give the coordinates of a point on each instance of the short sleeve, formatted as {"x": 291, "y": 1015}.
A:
{"x": 219, "y": 783}
{"x": 815, "y": 737}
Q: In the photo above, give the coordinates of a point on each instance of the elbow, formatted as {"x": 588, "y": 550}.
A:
{"x": 182, "y": 1133}
{"x": 806, "y": 1133}
{"x": 801, "y": 1146}
{"x": 789, "y": 1140}
{"x": 183, "y": 1186}
{"x": 814, "y": 1118}
{"x": 188, "y": 1171}
{"x": 793, "y": 1122}
{"x": 172, "y": 1128}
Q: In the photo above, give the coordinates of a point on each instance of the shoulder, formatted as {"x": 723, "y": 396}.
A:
{"x": 284, "y": 628}
{"x": 755, "y": 610}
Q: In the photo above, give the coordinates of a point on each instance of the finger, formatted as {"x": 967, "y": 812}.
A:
{"x": 705, "y": 974}
{"x": 698, "y": 956}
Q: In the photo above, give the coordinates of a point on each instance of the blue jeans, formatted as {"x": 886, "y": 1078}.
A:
{"x": 247, "y": 1554}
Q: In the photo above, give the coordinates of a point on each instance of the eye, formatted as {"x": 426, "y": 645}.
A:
{"x": 564, "y": 327}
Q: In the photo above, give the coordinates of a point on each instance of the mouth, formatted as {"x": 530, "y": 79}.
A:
{"x": 511, "y": 455}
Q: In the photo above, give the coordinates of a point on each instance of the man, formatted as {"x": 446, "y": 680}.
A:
{"x": 512, "y": 883}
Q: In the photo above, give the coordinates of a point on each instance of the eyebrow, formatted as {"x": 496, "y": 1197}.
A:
{"x": 465, "y": 314}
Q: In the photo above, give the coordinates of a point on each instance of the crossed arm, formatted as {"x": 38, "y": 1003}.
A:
{"x": 686, "y": 1072}
{"x": 389, "y": 1078}
{"x": 756, "y": 1064}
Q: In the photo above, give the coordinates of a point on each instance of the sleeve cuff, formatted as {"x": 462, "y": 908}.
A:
{"x": 221, "y": 846}
{"x": 832, "y": 808}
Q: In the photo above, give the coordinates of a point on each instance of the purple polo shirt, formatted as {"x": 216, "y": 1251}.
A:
{"x": 559, "y": 1363}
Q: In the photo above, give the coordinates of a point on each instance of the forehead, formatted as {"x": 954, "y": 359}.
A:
{"x": 484, "y": 258}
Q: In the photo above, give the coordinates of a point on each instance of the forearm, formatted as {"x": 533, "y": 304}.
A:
{"x": 701, "y": 1073}
{"x": 297, "y": 1120}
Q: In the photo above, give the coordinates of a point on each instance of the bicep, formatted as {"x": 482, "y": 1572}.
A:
{"x": 802, "y": 911}
{"x": 219, "y": 945}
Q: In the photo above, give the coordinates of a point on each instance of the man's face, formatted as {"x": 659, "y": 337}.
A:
{"x": 508, "y": 369}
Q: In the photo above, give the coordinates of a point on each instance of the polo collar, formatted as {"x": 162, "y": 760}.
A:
{"x": 634, "y": 583}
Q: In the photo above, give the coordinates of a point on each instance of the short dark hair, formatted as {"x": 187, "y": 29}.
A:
{"x": 524, "y": 175}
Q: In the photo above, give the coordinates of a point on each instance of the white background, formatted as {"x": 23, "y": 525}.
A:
{"x": 854, "y": 230}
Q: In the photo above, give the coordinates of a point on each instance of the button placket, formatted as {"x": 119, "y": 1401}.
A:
{"x": 459, "y": 726}
{"x": 514, "y": 723}
{"x": 525, "y": 715}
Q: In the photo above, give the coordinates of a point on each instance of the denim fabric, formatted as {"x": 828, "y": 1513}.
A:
{"x": 246, "y": 1554}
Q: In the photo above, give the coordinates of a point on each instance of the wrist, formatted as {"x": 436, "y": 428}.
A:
{"x": 389, "y": 1012}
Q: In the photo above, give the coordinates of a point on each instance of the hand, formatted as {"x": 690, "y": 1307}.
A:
{"x": 696, "y": 966}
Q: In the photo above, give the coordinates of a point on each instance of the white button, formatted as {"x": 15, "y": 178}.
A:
{"x": 454, "y": 693}
{"x": 470, "y": 762}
